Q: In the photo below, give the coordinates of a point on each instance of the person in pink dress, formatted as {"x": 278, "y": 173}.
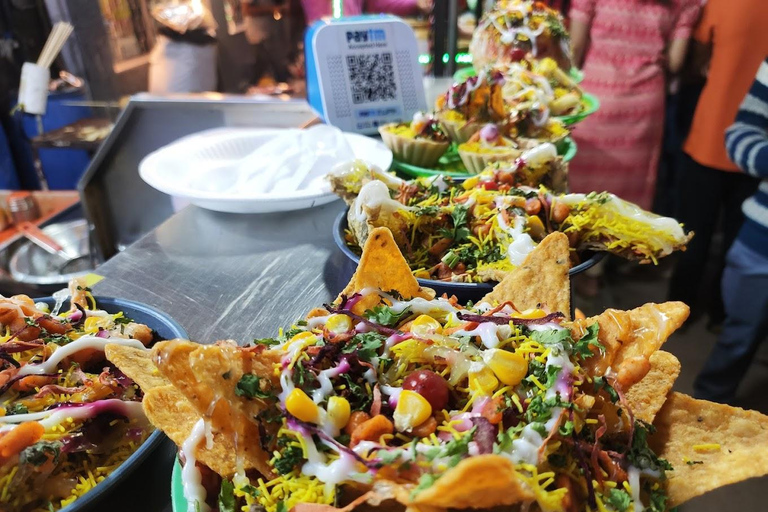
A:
{"x": 316, "y": 9}
{"x": 627, "y": 49}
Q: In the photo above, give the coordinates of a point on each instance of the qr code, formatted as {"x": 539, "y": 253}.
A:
{"x": 372, "y": 77}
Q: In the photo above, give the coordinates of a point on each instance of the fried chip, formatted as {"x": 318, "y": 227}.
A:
{"x": 710, "y": 445}
{"x": 172, "y": 413}
{"x": 482, "y": 481}
{"x": 542, "y": 279}
{"x": 646, "y": 398}
{"x": 630, "y": 337}
{"x": 207, "y": 375}
{"x": 383, "y": 266}
{"x": 137, "y": 364}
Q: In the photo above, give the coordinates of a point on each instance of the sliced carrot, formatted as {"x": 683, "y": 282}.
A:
{"x": 25, "y": 434}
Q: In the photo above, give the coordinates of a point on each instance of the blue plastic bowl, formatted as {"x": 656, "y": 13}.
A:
{"x": 166, "y": 328}
{"x": 463, "y": 291}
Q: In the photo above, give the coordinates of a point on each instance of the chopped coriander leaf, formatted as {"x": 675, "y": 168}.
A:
{"x": 618, "y": 499}
{"x": 303, "y": 376}
{"x": 460, "y": 231}
{"x": 266, "y": 341}
{"x": 227, "y": 502}
{"x": 566, "y": 429}
{"x": 694, "y": 462}
{"x": 583, "y": 347}
{"x": 388, "y": 457}
{"x": 289, "y": 458}
{"x": 658, "y": 498}
{"x": 365, "y": 345}
{"x": 425, "y": 482}
{"x": 16, "y": 409}
{"x": 281, "y": 507}
{"x": 249, "y": 386}
{"x": 601, "y": 383}
{"x": 291, "y": 333}
{"x": 359, "y": 398}
{"x": 123, "y": 320}
{"x": 40, "y": 453}
{"x": 384, "y": 315}
{"x": 641, "y": 455}
{"x": 426, "y": 210}
{"x": 251, "y": 490}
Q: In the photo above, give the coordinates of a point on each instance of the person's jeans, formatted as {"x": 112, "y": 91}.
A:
{"x": 745, "y": 294}
{"x": 705, "y": 193}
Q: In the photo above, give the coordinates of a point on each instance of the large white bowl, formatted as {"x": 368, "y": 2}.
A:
{"x": 163, "y": 169}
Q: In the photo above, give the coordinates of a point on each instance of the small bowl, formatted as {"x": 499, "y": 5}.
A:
{"x": 463, "y": 291}
{"x": 32, "y": 265}
{"x": 101, "y": 497}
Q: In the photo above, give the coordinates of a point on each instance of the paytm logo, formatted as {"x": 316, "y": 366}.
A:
{"x": 365, "y": 36}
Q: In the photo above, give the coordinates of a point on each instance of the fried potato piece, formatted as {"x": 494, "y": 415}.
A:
{"x": 207, "y": 375}
{"x": 137, "y": 364}
{"x": 383, "y": 266}
{"x": 483, "y": 481}
{"x": 731, "y": 444}
{"x": 630, "y": 337}
{"x": 168, "y": 409}
{"x": 542, "y": 279}
{"x": 647, "y": 397}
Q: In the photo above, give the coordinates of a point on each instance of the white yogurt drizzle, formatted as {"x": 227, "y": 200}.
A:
{"x": 85, "y": 342}
{"x": 194, "y": 492}
{"x": 53, "y": 417}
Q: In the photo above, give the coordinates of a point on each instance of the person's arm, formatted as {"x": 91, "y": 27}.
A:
{"x": 581, "y": 14}
{"x": 686, "y": 15}
{"x": 747, "y": 139}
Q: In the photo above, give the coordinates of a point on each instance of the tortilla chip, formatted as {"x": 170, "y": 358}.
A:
{"x": 647, "y": 397}
{"x": 483, "y": 481}
{"x": 542, "y": 279}
{"x": 137, "y": 364}
{"x": 172, "y": 413}
{"x": 207, "y": 375}
{"x": 630, "y": 337}
{"x": 383, "y": 266}
{"x": 737, "y": 439}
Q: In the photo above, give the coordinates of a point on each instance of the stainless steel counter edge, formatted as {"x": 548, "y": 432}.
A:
{"x": 230, "y": 276}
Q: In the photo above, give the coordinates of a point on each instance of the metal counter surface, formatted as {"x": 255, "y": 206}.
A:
{"x": 230, "y": 276}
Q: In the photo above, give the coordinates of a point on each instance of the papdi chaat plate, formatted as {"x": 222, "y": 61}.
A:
{"x": 480, "y": 229}
{"x": 391, "y": 398}
{"x": 72, "y": 425}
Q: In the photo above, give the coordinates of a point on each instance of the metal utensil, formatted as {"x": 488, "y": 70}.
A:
{"x": 48, "y": 244}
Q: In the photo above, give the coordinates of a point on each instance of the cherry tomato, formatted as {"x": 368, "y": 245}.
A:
{"x": 429, "y": 385}
{"x": 489, "y": 185}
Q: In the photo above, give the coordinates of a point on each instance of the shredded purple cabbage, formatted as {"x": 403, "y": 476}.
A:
{"x": 309, "y": 429}
{"x": 485, "y": 435}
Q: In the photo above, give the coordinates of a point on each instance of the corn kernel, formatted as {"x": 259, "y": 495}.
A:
{"x": 509, "y": 367}
{"x": 338, "y": 411}
{"x": 424, "y": 325}
{"x": 470, "y": 183}
{"x": 483, "y": 381}
{"x": 301, "y": 406}
{"x": 532, "y": 314}
{"x": 412, "y": 410}
{"x": 338, "y": 324}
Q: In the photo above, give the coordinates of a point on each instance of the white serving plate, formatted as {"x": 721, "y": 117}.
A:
{"x": 164, "y": 168}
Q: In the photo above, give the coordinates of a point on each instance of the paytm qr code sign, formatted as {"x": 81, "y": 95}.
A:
{"x": 363, "y": 72}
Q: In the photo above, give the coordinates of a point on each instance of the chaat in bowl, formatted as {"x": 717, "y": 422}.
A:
{"x": 72, "y": 424}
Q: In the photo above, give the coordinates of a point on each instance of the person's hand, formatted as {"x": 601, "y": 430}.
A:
{"x": 425, "y": 5}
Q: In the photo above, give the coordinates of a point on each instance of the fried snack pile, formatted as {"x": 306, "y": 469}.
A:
{"x": 68, "y": 417}
{"x": 391, "y": 397}
{"x": 483, "y": 228}
{"x": 513, "y": 28}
